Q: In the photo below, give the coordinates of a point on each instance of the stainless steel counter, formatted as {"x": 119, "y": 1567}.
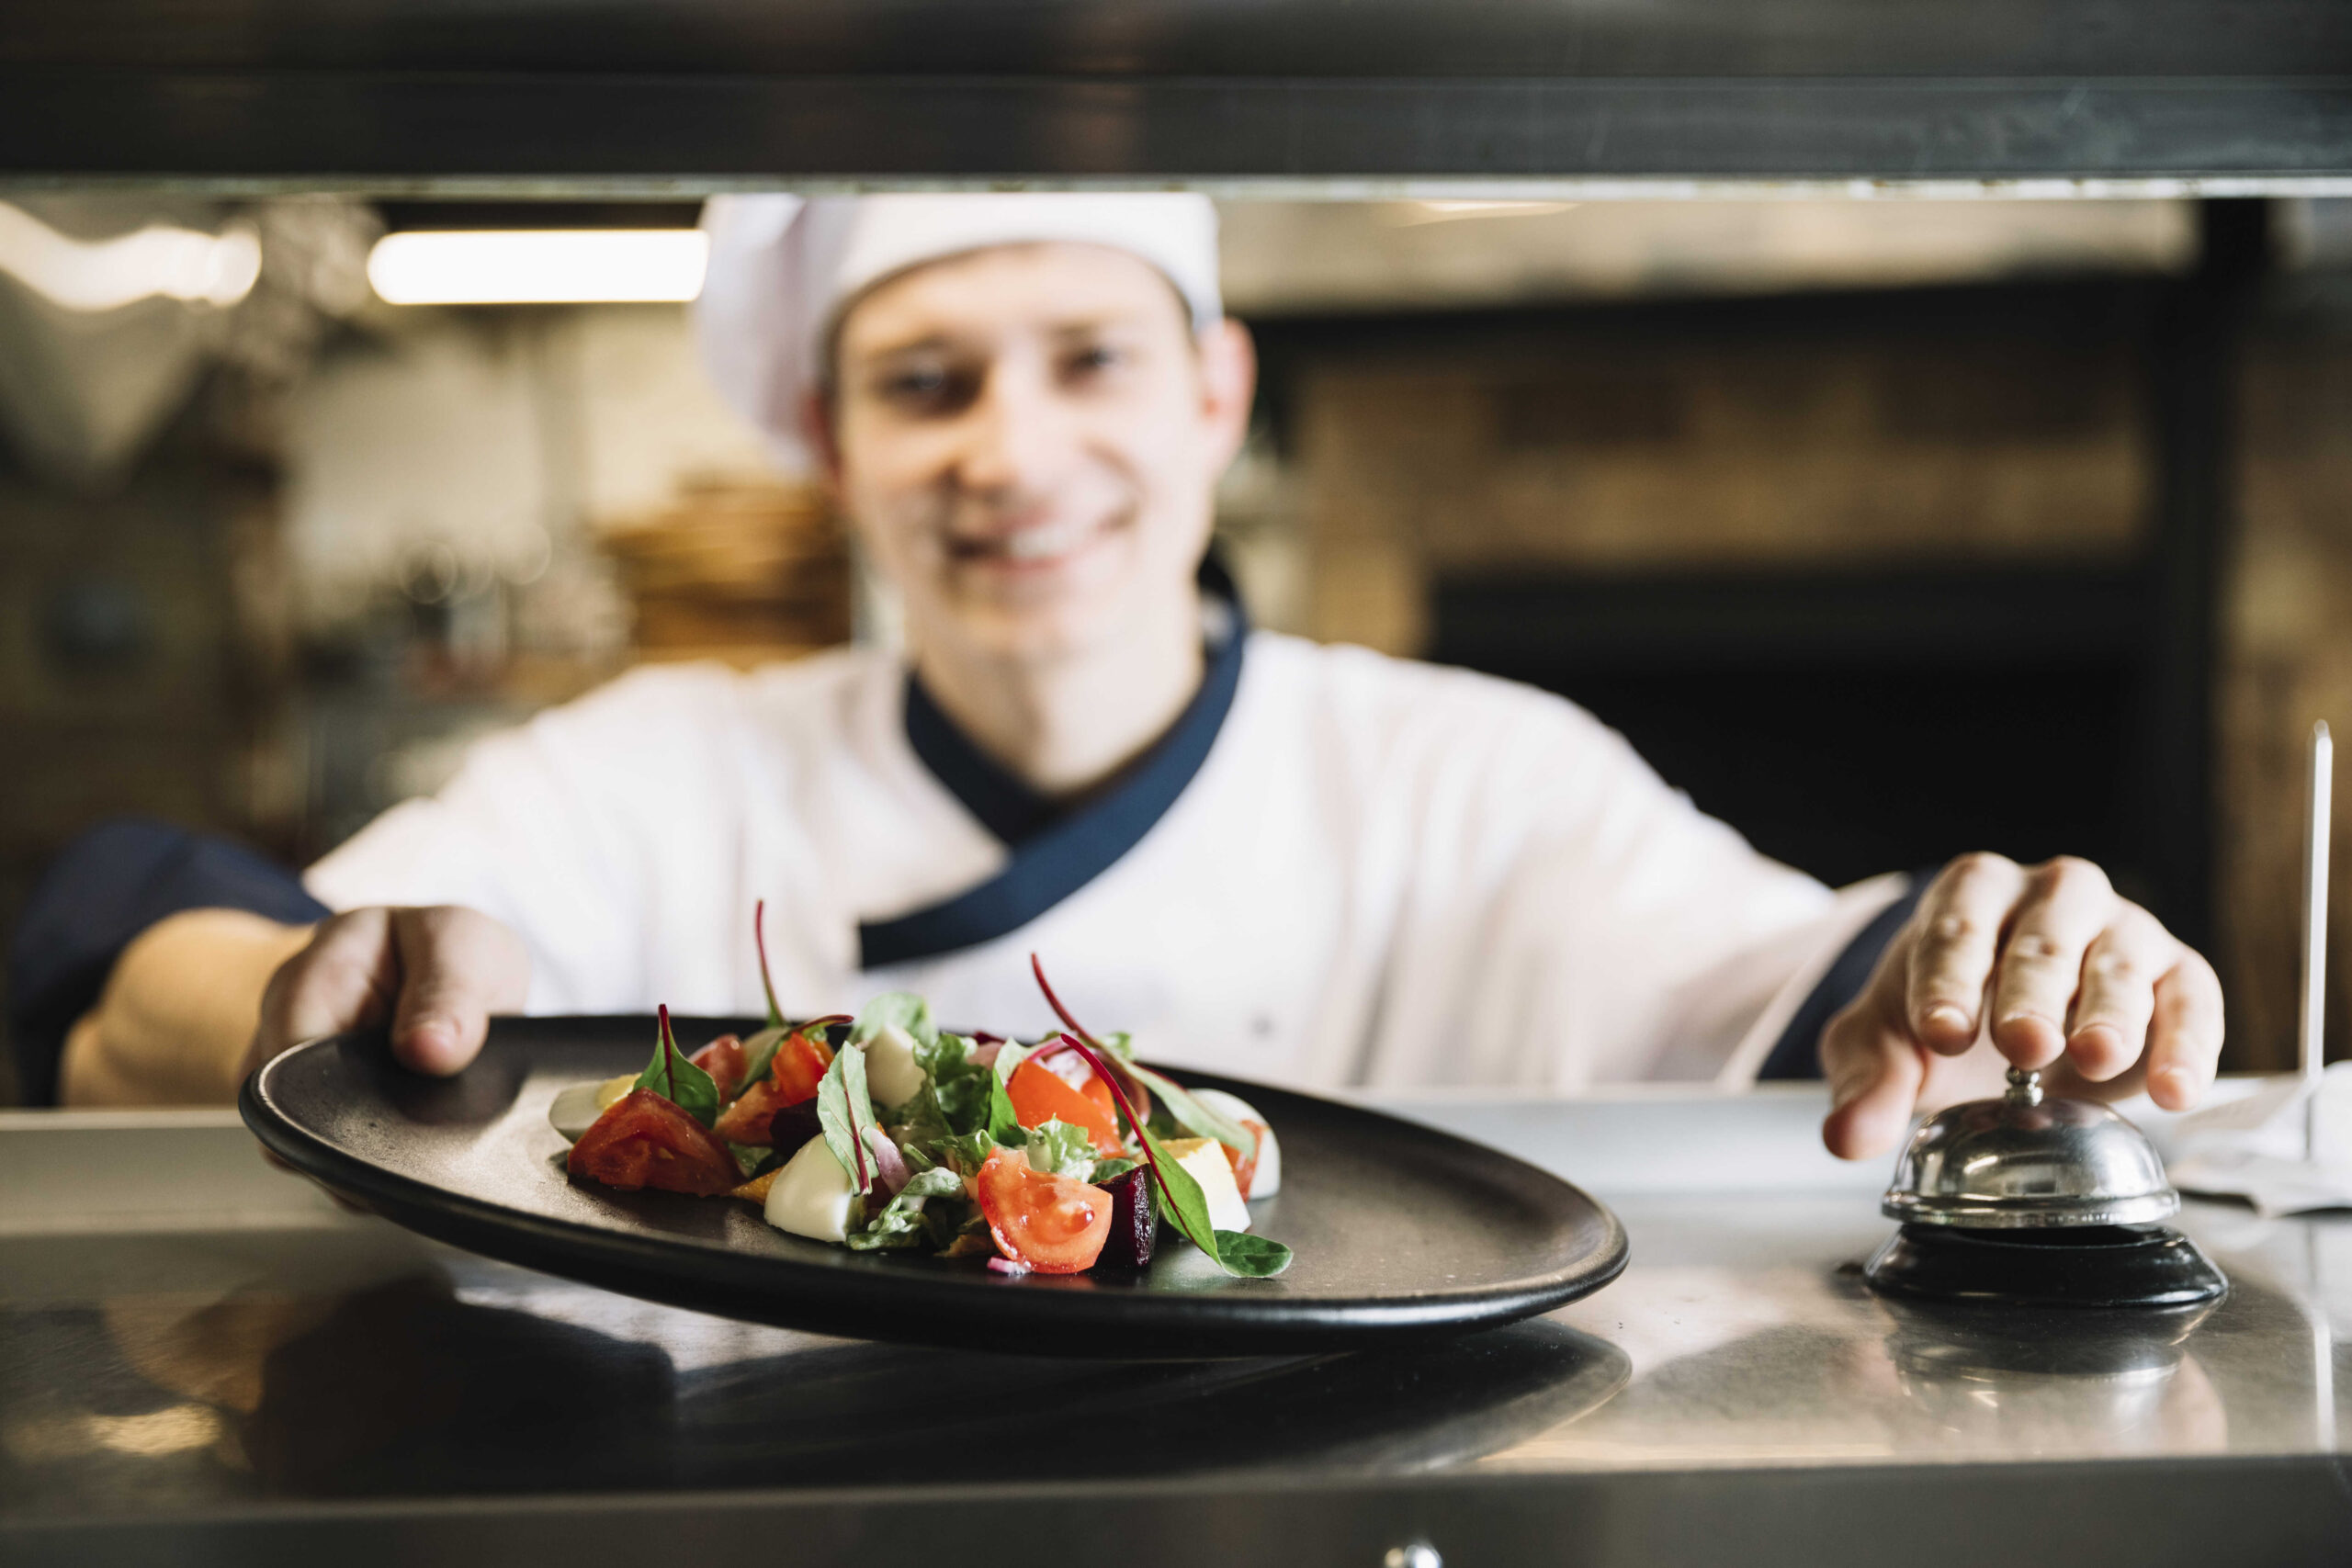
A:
{"x": 203, "y": 1360}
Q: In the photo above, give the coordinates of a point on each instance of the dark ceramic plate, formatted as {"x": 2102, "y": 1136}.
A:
{"x": 1400, "y": 1231}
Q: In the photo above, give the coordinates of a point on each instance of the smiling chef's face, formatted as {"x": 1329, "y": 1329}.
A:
{"x": 1028, "y": 438}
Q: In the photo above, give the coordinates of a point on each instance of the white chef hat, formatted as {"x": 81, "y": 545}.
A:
{"x": 783, "y": 267}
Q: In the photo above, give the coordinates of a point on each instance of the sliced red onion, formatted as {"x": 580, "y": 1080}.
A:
{"x": 890, "y": 1173}
{"x": 1008, "y": 1266}
{"x": 1069, "y": 1067}
{"x": 986, "y": 1055}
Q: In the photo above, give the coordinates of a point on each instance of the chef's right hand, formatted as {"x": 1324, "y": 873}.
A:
{"x": 437, "y": 974}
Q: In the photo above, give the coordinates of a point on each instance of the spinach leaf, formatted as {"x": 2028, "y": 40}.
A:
{"x": 678, "y": 1081}
{"x": 905, "y": 1008}
{"x": 749, "y": 1156}
{"x": 845, "y": 1110}
{"x": 1059, "y": 1149}
{"x": 1251, "y": 1257}
{"x": 1111, "y": 1169}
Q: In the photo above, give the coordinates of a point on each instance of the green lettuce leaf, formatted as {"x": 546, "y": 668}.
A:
{"x": 1059, "y": 1149}
{"x": 678, "y": 1081}
{"x": 959, "y": 1086}
{"x": 905, "y": 1008}
{"x": 953, "y": 1102}
{"x": 907, "y": 1221}
{"x": 965, "y": 1152}
{"x": 1005, "y": 1127}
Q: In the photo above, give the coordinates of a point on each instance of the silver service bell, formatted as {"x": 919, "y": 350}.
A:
{"x": 2023, "y": 1163}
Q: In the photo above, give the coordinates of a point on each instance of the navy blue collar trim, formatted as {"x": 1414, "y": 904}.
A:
{"x": 1005, "y": 804}
{"x": 1055, "y": 851}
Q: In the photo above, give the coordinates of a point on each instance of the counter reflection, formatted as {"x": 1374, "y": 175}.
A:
{"x": 422, "y": 1372}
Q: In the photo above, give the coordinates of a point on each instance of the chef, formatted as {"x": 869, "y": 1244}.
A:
{"x": 1312, "y": 864}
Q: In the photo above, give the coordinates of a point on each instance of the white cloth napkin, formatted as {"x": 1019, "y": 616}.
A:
{"x": 2254, "y": 1148}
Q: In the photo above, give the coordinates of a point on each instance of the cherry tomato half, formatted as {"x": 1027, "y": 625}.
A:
{"x": 1245, "y": 1167}
{"x": 1039, "y": 1096}
{"x": 724, "y": 1060}
{"x": 799, "y": 1066}
{"x": 1053, "y": 1223}
{"x": 643, "y": 1140}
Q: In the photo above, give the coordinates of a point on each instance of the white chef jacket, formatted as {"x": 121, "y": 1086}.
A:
{"x": 1369, "y": 872}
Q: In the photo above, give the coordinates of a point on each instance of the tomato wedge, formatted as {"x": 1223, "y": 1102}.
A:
{"x": 1040, "y": 1096}
{"x": 799, "y": 1067}
{"x": 749, "y": 1119}
{"x": 724, "y": 1060}
{"x": 794, "y": 1073}
{"x": 643, "y": 1140}
{"x": 1053, "y": 1223}
{"x": 1246, "y": 1165}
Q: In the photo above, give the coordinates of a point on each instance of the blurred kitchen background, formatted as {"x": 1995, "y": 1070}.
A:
{"x": 1887, "y": 528}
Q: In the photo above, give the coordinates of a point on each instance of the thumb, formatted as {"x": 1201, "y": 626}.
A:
{"x": 457, "y": 966}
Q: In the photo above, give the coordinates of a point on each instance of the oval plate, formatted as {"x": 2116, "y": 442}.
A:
{"x": 1400, "y": 1231}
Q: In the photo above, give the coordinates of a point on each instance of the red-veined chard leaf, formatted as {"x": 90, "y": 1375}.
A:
{"x": 845, "y": 1110}
{"x": 1141, "y": 1082}
{"x": 1187, "y": 1208}
{"x": 678, "y": 1081}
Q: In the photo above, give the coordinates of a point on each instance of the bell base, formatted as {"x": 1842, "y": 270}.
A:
{"x": 2091, "y": 1266}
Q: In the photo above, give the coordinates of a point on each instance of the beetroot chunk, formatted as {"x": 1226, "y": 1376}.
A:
{"x": 793, "y": 1126}
{"x": 1135, "y": 1219}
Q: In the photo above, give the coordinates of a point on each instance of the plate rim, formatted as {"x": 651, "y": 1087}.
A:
{"x": 1249, "y": 1323}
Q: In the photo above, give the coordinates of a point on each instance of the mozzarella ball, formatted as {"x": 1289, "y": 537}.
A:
{"x": 892, "y": 1076}
{"x": 1267, "y": 1178}
{"x": 1205, "y": 1161}
{"x": 811, "y": 1195}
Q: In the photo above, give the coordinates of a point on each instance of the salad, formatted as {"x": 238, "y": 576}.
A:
{"x": 884, "y": 1132}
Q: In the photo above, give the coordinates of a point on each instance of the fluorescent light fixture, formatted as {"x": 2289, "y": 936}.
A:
{"x": 90, "y": 275}
{"x": 1453, "y": 212}
{"x": 539, "y": 267}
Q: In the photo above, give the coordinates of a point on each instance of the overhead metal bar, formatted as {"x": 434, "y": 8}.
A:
{"x": 679, "y": 96}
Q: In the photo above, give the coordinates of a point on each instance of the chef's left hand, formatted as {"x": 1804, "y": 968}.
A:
{"x": 2044, "y": 966}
